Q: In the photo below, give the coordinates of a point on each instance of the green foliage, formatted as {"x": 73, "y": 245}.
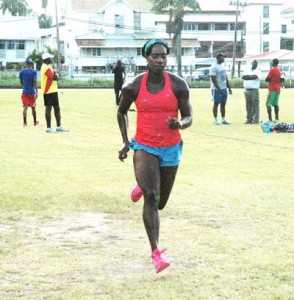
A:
{"x": 176, "y": 7}
{"x": 55, "y": 53}
{"x": 13, "y": 66}
{"x": 176, "y": 10}
{"x": 45, "y": 21}
{"x": 44, "y": 3}
{"x": 15, "y": 7}
{"x": 36, "y": 56}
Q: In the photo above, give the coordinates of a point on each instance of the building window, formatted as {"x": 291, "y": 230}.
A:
{"x": 10, "y": 45}
{"x": 265, "y": 28}
{"x": 139, "y": 52}
{"x": 190, "y": 26}
{"x": 284, "y": 29}
{"x": 286, "y": 44}
{"x": 2, "y": 44}
{"x": 119, "y": 51}
{"x": 137, "y": 21}
{"x": 266, "y": 12}
{"x": 96, "y": 52}
{"x": 203, "y": 26}
{"x": 240, "y": 26}
{"x": 265, "y": 47}
{"x": 20, "y": 45}
{"x": 119, "y": 23}
{"x": 221, "y": 26}
{"x": 90, "y": 52}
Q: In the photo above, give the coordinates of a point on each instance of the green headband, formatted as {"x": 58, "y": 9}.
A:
{"x": 146, "y": 50}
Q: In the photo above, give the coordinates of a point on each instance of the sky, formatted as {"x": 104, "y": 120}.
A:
{"x": 36, "y": 5}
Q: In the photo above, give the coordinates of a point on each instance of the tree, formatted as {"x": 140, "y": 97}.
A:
{"x": 45, "y": 21}
{"x": 15, "y": 7}
{"x": 36, "y": 56}
{"x": 176, "y": 10}
{"x": 44, "y": 3}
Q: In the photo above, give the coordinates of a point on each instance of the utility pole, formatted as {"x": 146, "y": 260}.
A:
{"x": 57, "y": 37}
{"x": 235, "y": 40}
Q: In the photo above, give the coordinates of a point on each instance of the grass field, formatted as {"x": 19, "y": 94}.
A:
{"x": 69, "y": 231}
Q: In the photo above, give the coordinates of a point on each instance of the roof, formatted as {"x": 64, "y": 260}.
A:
{"x": 22, "y": 28}
{"x": 126, "y": 41}
{"x": 90, "y": 5}
{"x": 279, "y": 54}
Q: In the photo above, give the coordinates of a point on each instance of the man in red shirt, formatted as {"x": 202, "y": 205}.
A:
{"x": 163, "y": 109}
{"x": 274, "y": 88}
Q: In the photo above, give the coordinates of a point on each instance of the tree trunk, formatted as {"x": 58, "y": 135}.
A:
{"x": 179, "y": 53}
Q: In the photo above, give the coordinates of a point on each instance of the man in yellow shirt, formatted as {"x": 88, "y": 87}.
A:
{"x": 49, "y": 89}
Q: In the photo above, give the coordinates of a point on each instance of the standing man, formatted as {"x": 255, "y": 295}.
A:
{"x": 159, "y": 97}
{"x": 119, "y": 77}
{"x": 251, "y": 84}
{"x": 50, "y": 93}
{"x": 28, "y": 80}
{"x": 283, "y": 79}
{"x": 274, "y": 88}
{"x": 219, "y": 84}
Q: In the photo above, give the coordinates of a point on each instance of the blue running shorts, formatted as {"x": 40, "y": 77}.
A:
{"x": 168, "y": 156}
{"x": 217, "y": 97}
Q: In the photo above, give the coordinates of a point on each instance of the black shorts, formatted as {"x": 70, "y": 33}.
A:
{"x": 51, "y": 99}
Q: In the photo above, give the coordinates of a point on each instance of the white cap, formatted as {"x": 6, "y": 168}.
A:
{"x": 47, "y": 55}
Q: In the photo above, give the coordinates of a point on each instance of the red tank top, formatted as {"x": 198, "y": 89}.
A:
{"x": 153, "y": 111}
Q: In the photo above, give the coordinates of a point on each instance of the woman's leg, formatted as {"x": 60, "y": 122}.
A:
{"x": 147, "y": 172}
{"x": 167, "y": 176}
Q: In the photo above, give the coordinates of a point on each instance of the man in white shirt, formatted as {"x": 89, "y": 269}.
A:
{"x": 251, "y": 85}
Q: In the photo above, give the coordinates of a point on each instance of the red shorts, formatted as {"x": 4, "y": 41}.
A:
{"x": 28, "y": 100}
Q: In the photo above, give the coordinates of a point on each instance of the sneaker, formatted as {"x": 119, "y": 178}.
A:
{"x": 276, "y": 122}
{"x": 136, "y": 193}
{"x": 50, "y": 130}
{"x": 216, "y": 123}
{"x": 248, "y": 122}
{"x": 61, "y": 129}
{"x": 36, "y": 123}
{"x": 25, "y": 125}
{"x": 159, "y": 261}
{"x": 224, "y": 122}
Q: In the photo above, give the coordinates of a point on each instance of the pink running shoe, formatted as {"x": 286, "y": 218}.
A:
{"x": 36, "y": 123}
{"x": 136, "y": 193}
{"x": 159, "y": 261}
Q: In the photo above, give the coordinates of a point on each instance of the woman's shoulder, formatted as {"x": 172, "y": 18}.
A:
{"x": 177, "y": 81}
{"x": 135, "y": 80}
{"x": 133, "y": 85}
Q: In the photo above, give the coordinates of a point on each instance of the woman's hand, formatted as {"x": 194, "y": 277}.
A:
{"x": 123, "y": 152}
{"x": 174, "y": 123}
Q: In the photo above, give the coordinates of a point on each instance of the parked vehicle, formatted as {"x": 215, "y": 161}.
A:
{"x": 198, "y": 74}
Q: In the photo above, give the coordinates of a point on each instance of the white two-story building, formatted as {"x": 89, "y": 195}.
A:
{"x": 93, "y": 34}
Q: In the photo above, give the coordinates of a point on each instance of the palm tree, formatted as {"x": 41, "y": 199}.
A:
{"x": 44, "y": 3}
{"x": 176, "y": 9}
{"x": 15, "y": 7}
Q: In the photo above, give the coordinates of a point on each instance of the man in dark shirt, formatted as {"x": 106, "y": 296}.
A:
{"x": 119, "y": 77}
